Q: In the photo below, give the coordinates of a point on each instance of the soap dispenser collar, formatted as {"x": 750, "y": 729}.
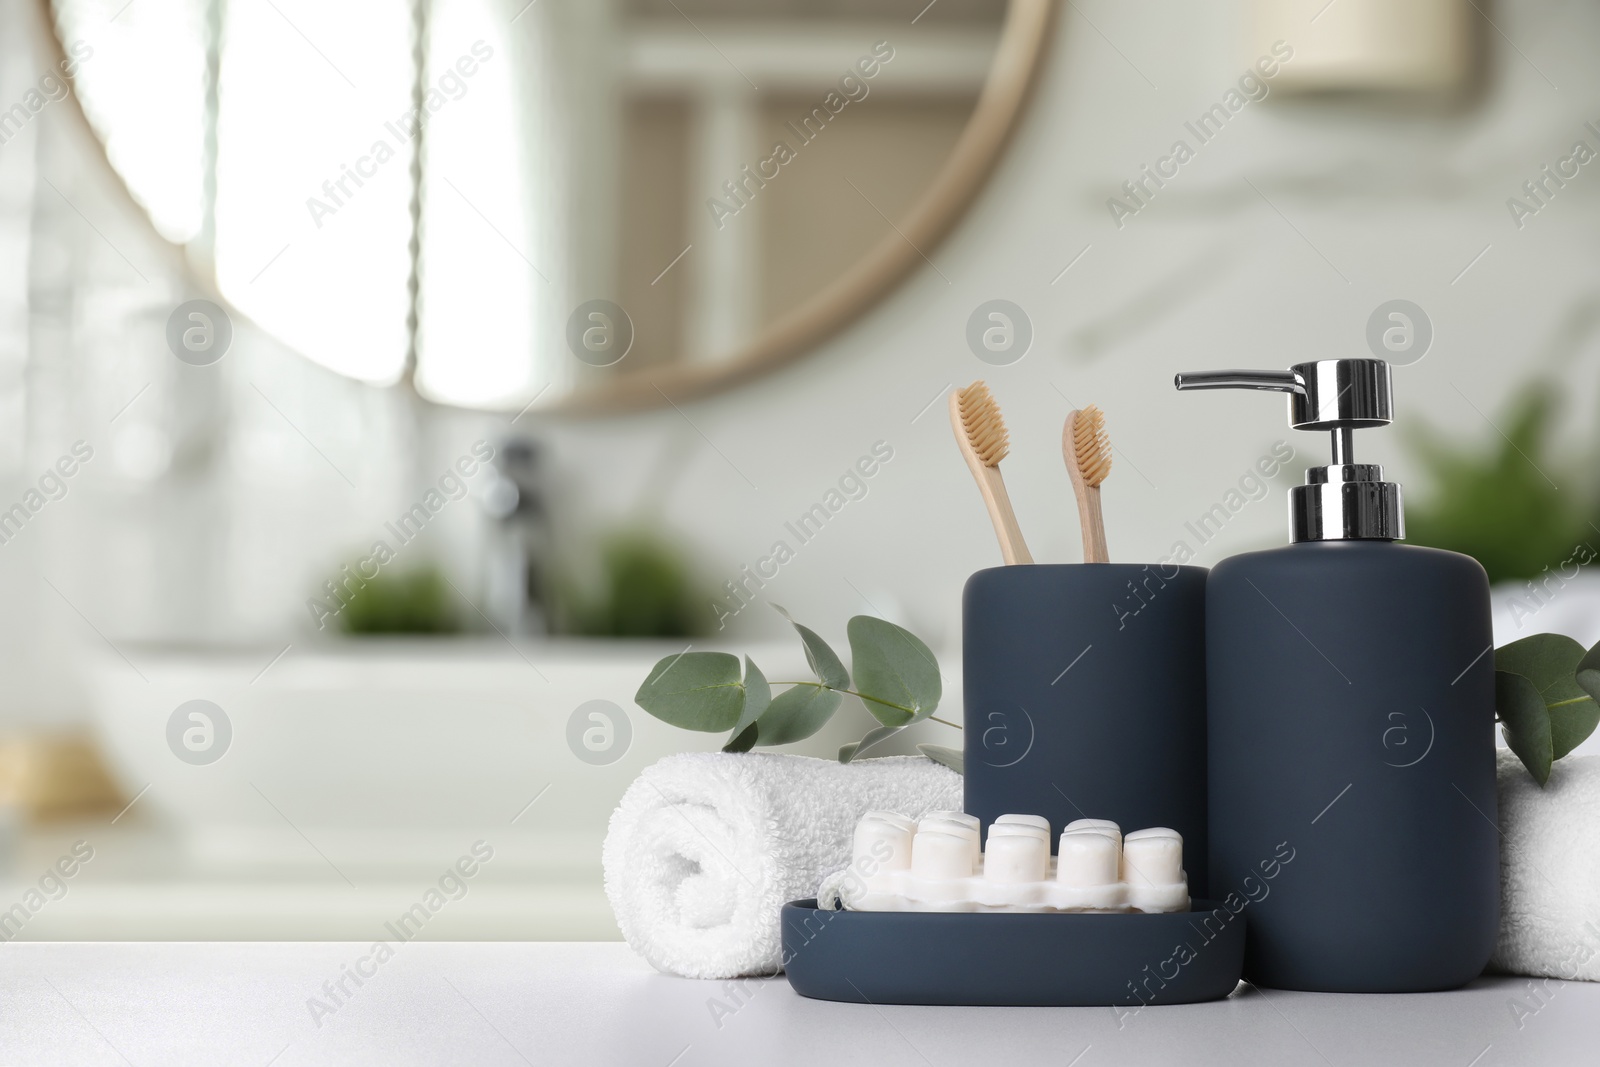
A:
{"x": 1344, "y": 500}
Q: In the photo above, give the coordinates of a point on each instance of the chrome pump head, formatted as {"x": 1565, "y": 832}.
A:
{"x": 1345, "y": 500}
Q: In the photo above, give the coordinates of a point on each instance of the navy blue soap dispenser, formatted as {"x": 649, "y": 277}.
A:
{"x": 1350, "y": 724}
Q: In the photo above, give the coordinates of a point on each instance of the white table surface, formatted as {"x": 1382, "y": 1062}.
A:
{"x": 587, "y": 1004}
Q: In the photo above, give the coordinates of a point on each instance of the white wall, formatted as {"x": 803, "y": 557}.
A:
{"x": 1208, "y": 275}
{"x": 1368, "y": 201}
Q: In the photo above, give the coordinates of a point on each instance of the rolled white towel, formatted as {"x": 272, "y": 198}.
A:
{"x": 707, "y": 847}
{"x": 1550, "y": 870}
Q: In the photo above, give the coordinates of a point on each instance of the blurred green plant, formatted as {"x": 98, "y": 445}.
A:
{"x": 414, "y": 601}
{"x": 1501, "y": 504}
{"x": 645, "y": 590}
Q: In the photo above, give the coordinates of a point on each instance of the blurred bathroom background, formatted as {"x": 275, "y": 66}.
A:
{"x": 300, "y": 416}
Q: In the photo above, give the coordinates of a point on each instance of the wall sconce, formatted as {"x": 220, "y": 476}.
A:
{"x": 1367, "y": 45}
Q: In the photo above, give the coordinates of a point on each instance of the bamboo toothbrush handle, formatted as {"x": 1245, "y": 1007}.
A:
{"x": 981, "y": 436}
{"x": 1012, "y": 548}
{"x": 1094, "y": 526}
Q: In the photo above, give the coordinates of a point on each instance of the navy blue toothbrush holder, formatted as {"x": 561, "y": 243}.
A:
{"x": 1085, "y": 697}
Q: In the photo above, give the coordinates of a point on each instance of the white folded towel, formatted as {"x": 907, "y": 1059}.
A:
{"x": 1550, "y": 870}
{"x": 707, "y": 847}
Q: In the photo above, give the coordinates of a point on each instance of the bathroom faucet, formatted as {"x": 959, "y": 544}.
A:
{"x": 518, "y": 596}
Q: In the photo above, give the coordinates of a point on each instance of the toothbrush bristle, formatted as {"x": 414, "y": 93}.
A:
{"x": 1092, "y": 445}
{"x": 980, "y": 419}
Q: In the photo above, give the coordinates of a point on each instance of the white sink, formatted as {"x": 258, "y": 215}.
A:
{"x": 395, "y": 753}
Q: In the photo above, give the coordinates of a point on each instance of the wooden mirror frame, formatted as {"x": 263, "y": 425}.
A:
{"x": 1024, "y": 37}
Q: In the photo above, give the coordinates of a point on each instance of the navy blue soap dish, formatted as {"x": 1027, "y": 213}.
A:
{"x": 1019, "y": 959}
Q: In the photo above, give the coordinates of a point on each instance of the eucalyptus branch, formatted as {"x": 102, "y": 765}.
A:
{"x": 708, "y": 691}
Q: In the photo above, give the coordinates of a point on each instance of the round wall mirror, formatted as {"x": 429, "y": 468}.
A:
{"x": 579, "y": 205}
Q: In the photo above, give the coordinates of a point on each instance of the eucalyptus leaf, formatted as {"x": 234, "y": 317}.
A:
{"x": 797, "y": 713}
{"x": 824, "y": 662}
{"x": 1551, "y": 662}
{"x": 856, "y": 748}
{"x": 1588, "y": 676}
{"x": 1525, "y": 721}
{"x": 896, "y": 674}
{"x": 950, "y": 757}
{"x": 695, "y": 691}
{"x": 1571, "y": 723}
{"x": 757, "y": 697}
{"x": 744, "y": 740}
{"x": 1546, "y": 660}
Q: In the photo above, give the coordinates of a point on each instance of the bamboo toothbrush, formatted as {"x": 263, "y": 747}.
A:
{"x": 981, "y": 433}
{"x": 1087, "y": 449}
